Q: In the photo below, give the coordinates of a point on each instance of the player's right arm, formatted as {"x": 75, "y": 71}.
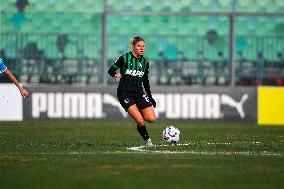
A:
{"x": 4, "y": 69}
{"x": 12, "y": 78}
{"x": 116, "y": 65}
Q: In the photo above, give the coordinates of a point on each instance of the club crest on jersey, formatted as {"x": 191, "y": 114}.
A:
{"x": 134, "y": 73}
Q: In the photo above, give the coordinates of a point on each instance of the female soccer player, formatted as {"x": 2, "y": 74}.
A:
{"x": 4, "y": 69}
{"x": 134, "y": 70}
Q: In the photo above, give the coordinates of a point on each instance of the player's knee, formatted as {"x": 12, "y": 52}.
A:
{"x": 140, "y": 122}
{"x": 151, "y": 119}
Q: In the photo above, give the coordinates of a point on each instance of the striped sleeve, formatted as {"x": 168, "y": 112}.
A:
{"x": 117, "y": 64}
{"x": 147, "y": 68}
{"x": 146, "y": 82}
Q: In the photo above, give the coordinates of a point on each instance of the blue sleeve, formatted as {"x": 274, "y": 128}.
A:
{"x": 3, "y": 67}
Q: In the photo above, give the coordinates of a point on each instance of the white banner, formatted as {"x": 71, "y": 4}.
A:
{"x": 11, "y": 103}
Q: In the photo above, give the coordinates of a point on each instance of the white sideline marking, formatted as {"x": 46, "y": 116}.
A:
{"x": 248, "y": 153}
{"x": 147, "y": 150}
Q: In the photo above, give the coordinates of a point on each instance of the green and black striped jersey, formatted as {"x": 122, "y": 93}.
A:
{"x": 134, "y": 70}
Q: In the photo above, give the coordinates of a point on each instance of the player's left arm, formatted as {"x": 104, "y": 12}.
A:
{"x": 146, "y": 85}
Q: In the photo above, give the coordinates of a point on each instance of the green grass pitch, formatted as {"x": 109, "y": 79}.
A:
{"x": 94, "y": 154}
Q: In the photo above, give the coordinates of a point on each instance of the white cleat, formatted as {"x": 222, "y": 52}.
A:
{"x": 148, "y": 143}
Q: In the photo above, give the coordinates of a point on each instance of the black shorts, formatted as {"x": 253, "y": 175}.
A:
{"x": 129, "y": 95}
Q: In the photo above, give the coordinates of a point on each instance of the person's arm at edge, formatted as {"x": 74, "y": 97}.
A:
{"x": 13, "y": 79}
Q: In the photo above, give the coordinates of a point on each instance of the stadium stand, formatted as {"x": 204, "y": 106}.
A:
{"x": 170, "y": 38}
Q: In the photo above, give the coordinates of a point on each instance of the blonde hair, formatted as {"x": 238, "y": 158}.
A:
{"x": 134, "y": 41}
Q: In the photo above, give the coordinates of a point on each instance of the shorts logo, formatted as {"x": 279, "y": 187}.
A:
{"x": 146, "y": 98}
{"x": 126, "y": 100}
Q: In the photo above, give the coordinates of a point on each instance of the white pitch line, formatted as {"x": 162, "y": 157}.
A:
{"x": 245, "y": 153}
{"x": 143, "y": 148}
{"x": 147, "y": 149}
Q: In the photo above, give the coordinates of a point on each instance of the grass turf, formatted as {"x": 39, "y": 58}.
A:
{"x": 93, "y": 154}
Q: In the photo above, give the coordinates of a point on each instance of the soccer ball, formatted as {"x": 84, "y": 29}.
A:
{"x": 171, "y": 134}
